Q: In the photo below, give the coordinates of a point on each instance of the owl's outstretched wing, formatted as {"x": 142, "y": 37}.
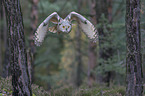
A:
{"x": 86, "y": 26}
{"x": 43, "y": 28}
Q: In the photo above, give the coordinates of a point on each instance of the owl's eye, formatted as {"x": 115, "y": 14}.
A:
{"x": 63, "y": 26}
{"x": 68, "y": 26}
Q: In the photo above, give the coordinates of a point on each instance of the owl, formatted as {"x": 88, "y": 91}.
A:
{"x": 64, "y": 26}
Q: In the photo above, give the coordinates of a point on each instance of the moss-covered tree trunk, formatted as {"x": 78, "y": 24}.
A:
{"x": 133, "y": 56}
{"x": 18, "y": 62}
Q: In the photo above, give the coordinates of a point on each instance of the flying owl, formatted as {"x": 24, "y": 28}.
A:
{"x": 65, "y": 26}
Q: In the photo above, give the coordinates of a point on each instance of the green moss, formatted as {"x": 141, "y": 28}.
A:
{"x": 120, "y": 91}
{"x": 5, "y": 86}
{"x": 63, "y": 91}
{"x": 6, "y": 89}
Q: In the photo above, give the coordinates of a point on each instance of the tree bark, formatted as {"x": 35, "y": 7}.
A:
{"x": 133, "y": 57}
{"x": 18, "y": 61}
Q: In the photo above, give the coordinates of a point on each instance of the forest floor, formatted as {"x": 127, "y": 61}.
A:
{"x": 6, "y": 90}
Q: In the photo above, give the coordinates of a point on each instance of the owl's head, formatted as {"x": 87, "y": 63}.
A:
{"x": 64, "y": 26}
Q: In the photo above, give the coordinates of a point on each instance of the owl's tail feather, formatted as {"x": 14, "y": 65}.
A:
{"x": 40, "y": 33}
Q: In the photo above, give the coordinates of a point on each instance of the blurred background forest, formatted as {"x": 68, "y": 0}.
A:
{"x": 71, "y": 59}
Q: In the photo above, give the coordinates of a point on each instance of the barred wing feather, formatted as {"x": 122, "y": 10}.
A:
{"x": 86, "y": 26}
{"x": 89, "y": 29}
{"x": 40, "y": 33}
{"x": 43, "y": 27}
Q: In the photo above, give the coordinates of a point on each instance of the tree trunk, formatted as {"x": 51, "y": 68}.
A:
{"x": 1, "y": 30}
{"x": 106, "y": 53}
{"x": 34, "y": 23}
{"x": 109, "y": 17}
{"x": 18, "y": 61}
{"x": 133, "y": 57}
{"x": 78, "y": 57}
{"x": 92, "y": 47}
{"x": 6, "y": 63}
{"x": 78, "y": 52}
